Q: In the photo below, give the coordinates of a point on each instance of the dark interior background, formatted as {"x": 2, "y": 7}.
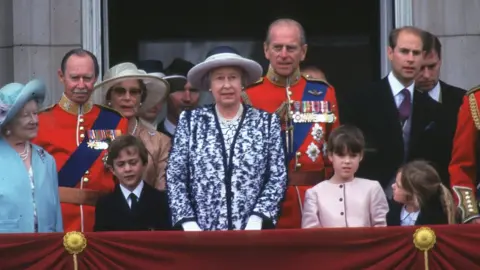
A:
{"x": 346, "y": 64}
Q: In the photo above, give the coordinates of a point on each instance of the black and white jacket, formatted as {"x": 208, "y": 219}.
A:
{"x": 221, "y": 191}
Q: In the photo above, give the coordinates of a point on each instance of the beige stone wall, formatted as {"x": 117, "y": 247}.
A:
{"x": 34, "y": 36}
{"x": 6, "y": 42}
{"x": 457, "y": 24}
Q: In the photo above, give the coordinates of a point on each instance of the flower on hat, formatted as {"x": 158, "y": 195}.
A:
{"x": 4, "y": 108}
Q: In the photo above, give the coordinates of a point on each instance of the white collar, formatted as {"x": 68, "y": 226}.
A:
{"x": 235, "y": 118}
{"x": 397, "y": 86}
{"x": 435, "y": 93}
{"x": 408, "y": 218}
{"x": 137, "y": 191}
{"x": 169, "y": 126}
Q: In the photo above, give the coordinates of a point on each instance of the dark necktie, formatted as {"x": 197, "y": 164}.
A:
{"x": 134, "y": 202}
{"x": 405, "y": 107}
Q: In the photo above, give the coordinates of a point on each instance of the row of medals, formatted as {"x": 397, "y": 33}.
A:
{"x": 312, "y": 112}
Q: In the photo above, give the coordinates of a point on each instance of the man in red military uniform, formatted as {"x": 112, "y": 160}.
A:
{"x": 77, "y": 132}
{"x": 465, "y": 160}
{"x": 308, "y": 109}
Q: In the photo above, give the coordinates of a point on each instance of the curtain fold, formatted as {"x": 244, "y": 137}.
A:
{"x": 379, "y": 248}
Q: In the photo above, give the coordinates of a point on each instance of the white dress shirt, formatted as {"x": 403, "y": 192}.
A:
{"x": 408, "y": 218}
{"x": 436, "y": 93}
{"x": 169, "y": 126}
{"x": 397, "y": 88}
{"x": 137, "y": 191}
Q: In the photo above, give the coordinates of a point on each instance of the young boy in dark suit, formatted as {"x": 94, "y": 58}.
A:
{"x": 133, "y": 205}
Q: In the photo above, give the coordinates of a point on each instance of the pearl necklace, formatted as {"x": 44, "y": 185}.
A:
{"x": 135, "y": 128}
{"x": 26, "y": 151}
{"x": 231, "y": 120}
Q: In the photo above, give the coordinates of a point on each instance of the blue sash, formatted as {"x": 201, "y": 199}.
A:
{"x": 83, "y": 158}
{"x": 301, "y": 130}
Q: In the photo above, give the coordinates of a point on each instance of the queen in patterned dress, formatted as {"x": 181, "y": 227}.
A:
{"x": 29, "y": 199}
{"x": 226, "y": 169}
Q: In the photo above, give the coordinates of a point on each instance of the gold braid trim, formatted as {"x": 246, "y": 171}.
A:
{"x": 245, "y": 98}
{"x": 310, "y": 78}
{"x": 467, "y": 204}
{"x": 474, "y": 110}
{"x": 282, "y": 110}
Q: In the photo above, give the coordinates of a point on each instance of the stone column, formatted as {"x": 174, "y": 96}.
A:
{"x": 6, "y": 42}
{"x": 43, "y": 31}
{"x": 457, "y": 25}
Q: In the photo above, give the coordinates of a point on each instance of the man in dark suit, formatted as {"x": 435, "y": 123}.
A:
{"x": 448, "y": 99}
{"x": 133, "y": 205}
{"x": 182, "y": 96}
{"x": 392, "y": 115}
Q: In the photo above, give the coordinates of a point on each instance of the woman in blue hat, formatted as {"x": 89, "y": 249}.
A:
{"x": 28, "y": 175}
{"x": 226, "y": 169}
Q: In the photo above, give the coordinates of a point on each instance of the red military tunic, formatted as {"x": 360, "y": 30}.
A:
{"x": 61, "y": 132}
{"x": 306, "y": 142}
{"x": 463, "y": 165}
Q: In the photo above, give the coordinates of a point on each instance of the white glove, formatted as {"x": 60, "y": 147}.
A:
{"x": 254, "y": 223}
{"x": 191, "y": 226}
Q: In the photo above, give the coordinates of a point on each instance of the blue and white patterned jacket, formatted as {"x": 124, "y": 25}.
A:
{"x": 202, "y": 188}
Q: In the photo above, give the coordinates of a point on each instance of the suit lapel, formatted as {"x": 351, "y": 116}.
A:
{"x": 388, "y": 101}
{"x": 449, "y": 100}
{"x": 38, "y": 165}
{"x": 121, "y": 200}
{"x": 394, "y": 213}
{"x": 144, "y": 197}
{"x": 418, "y": 118}
{"x": 423, "y": 118}
{"x": 388, "y": 107}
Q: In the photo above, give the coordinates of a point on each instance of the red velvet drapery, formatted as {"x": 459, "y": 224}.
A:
{"x": 369, "y": 248}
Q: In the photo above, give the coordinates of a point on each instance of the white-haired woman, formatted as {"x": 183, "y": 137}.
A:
{"x": 132, "y": 91}
{"x": 29, "y": 199}
{"x": 226, "y": 170}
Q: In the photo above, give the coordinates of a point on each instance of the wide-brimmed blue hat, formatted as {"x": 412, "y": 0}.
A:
{"x": 14, "y": 96}
{"x": 223, "y": 56}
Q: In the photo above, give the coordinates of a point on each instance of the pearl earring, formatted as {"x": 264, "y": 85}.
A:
{"x": 8, "y": 132}
{"x": 109, "y": 104}
{"x": 141, "y": 104}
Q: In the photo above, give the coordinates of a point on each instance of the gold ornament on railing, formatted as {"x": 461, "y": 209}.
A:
{"x": 75, "y": 243}
{"x": 424, "y": 239}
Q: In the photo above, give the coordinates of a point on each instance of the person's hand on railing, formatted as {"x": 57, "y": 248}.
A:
{"x": 191, "y": 226}
{"x": 254, "y": 223}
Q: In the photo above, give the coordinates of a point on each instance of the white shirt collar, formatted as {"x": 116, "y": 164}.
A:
{"x": 169, "y": 126}
{"x": 397, "y": 86}
{"x": 408, "y": 218}
{"x": 435, "y": 92}
{"x": 137, "y": 191}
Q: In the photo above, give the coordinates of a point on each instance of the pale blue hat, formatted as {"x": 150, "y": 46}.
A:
{"x": 14, "y": 96}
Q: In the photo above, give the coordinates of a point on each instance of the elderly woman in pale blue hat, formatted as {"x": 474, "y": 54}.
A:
{"x": 28, "y": 175}
{"x": 226, "y": 170}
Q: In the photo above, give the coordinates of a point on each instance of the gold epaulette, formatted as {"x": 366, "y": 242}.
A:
{"x": 473, "y": 90}
{"x": 309, "y": 78}
{"x": 282, "y": 110}
{"x": 245, "y": 98}
{"x": 48, "y": 108}
{"x": 255, "y": 83}
{"x": 103, "y": 107}
{"x": 472, "y": 102}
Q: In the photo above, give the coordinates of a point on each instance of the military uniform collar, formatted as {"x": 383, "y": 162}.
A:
{"x": 276, "y": 79}
{"x": 73, "y": 108}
